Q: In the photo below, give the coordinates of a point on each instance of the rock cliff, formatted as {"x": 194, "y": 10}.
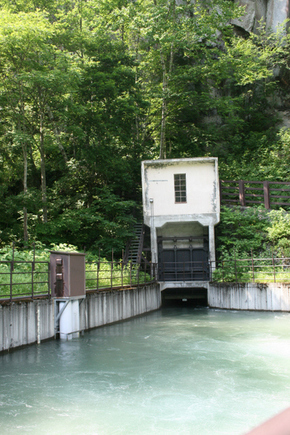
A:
{"x": 272, "y": 12}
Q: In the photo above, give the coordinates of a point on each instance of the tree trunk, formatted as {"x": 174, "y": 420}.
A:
{"x": 162, "y": 154}
{"x": 165, "y": 78}
{"x": 25, "y": 224}
{"x": 25, "y": 167}
{"x": 42, "y": 169}
{"x": 57, "y": 135}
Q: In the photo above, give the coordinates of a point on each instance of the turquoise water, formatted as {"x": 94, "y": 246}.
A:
{"x": 174, "y": 371}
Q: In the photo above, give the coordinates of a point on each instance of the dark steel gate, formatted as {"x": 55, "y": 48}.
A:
{"x": 182, "y": 264}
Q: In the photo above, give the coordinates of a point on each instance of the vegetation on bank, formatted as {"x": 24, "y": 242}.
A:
{"x": 249, "y": 234}
{"x": 24, "y": 271}
{"x": 255, "y": 230}
{"x": 89, "y": 89}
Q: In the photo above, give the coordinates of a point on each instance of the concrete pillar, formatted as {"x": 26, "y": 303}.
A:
{"x": 69, "y": 322}
{"x": 154, "y": 247}
{"x": 211, "y": 247}
{"x": 153, "y": 234}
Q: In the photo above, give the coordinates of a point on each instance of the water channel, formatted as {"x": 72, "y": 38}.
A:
{"x": 174, "y": 371}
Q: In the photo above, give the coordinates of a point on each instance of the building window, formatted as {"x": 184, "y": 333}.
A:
{"x": 180, "y": 187}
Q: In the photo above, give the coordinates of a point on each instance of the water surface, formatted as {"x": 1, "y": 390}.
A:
{"x": 174, "y": 371}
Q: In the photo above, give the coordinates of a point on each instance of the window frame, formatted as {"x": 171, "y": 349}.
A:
{"x": 180, "y": 193}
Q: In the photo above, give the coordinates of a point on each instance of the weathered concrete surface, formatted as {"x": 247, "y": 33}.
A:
{"x": 31, "y": 322}
{"x": 103, "y": 307}
{"x": 23, "y": 323}
{"x": 164, "y": 216}
{"x": 250, "y": 296}
{"x": 202, "y": 191}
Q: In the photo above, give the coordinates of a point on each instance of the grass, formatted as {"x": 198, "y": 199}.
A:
{"x": 99, "y": 273}
{"x": 267, "y": 275}
{"x": 106, "y": 275}
{"x": 23, "y": 278}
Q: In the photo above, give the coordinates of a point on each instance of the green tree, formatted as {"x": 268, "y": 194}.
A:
{"x": 35, "y": 79}
{"x": 90, "y": 88}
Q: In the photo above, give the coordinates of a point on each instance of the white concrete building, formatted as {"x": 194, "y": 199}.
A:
{"x": 181, "y": 206}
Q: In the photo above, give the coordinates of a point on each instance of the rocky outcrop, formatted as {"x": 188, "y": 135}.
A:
{"x": 272, "y": 12}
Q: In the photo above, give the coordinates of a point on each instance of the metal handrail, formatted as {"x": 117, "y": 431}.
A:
{"x": 104, "y": 275}
{"x": 31, "y": 288}
{"x": 253, "y": 269}
{"x": 193, "y": 270}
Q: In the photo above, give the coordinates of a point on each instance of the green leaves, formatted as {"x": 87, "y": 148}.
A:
{"x": 242, "y": 231}
{"x": 256, "y": 231}
{"x": 90, "y": 88}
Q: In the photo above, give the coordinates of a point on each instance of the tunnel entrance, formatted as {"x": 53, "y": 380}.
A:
{"x": 181, "y": 296}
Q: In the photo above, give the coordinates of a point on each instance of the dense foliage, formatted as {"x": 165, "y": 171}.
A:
{"x": 89, "y": 89}
{"x": 253, "y": 242}
{"x": 256, "y": 232}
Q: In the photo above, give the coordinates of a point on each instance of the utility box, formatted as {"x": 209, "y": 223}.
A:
{"x": 67, "y": 274}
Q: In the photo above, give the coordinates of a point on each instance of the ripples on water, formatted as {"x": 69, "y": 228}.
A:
{"x": 174, "y": 371}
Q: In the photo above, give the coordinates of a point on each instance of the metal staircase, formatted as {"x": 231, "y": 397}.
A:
{"x": 134, "y": 247}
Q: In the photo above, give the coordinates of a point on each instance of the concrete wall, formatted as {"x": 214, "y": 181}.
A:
{"x": 30, "y": 322}
{"x": 23, "y": 323}
{"x": 250, "y": 296}
{"x": 107, "y": 307}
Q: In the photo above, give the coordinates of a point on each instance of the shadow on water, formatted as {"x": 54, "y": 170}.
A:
{"x": 190, "y": 297}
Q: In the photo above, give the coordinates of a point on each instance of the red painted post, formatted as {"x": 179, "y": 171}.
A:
{"x": 278, "y": 425}
{"x": 242, "y": 193}
{"x": 266, "y": 194}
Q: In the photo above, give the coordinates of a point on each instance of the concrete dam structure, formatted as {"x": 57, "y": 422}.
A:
{"x": 181, "y": 206}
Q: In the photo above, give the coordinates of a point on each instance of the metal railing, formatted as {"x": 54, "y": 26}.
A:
{"x": 31, "y": 279}
{"x": 260, "y": 270}
{"x": 184, "y": 271}
{"x": 24, "y": 279}
{"x": 104, "y": 275}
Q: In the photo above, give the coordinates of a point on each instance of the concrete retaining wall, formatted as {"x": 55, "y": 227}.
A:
{"x": 23, "y": 323}
{"x": 250, "y": 296}
{"x": 107, "y": 307}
